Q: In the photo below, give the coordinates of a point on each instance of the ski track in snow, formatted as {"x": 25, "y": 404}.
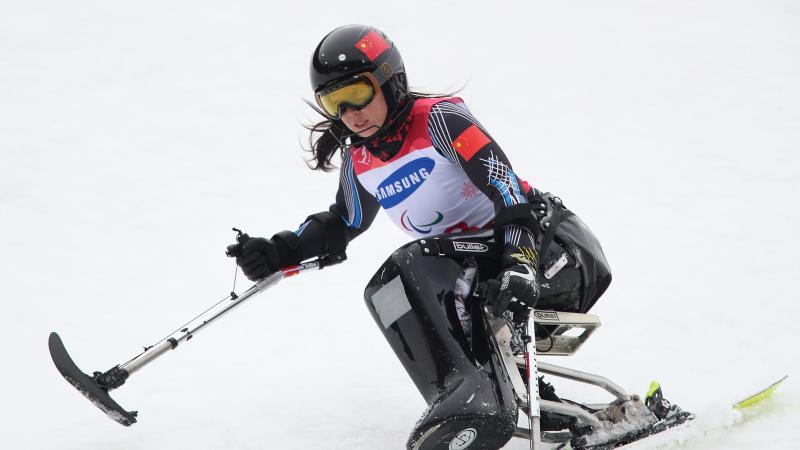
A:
{"x": 134, "y": 135}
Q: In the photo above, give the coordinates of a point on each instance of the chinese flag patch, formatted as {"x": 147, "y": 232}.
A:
{"x": 470, "y": 141}
{"x": 372, "y": 45}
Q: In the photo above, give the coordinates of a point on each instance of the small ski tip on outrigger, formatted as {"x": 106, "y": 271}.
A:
{"x": 96, "y": 387}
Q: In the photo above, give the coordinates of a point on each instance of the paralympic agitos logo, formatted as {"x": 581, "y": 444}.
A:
{"x": 403, "y": 182}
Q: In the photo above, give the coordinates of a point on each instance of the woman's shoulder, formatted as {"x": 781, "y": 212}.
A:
{"x": 426, "y": 103}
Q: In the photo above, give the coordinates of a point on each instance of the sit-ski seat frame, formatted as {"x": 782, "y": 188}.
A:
{"x": 567, "y": 333}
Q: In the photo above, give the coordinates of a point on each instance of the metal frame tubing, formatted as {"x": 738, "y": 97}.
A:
{"x": 534, "y": 414}
{"x": 584, "y": 377}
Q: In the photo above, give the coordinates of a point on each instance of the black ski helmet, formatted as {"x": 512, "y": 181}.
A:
{"x": 354, "y": 49}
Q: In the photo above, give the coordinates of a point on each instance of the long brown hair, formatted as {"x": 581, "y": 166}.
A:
{"x": 328, "y": 136}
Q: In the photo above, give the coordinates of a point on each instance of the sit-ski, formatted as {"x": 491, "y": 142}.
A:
{"x": 597, "y": 428}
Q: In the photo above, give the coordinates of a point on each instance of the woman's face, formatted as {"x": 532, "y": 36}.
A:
{"x": 366, "y": 121}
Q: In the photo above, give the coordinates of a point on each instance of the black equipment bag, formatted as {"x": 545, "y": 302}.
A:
{"x": 560, "y": 226}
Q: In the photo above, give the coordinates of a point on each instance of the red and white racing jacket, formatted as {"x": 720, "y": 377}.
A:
{"x": 448, "y": 176}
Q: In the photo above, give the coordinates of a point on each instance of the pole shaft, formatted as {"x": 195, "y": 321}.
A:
{"x": 149, "y": 355}
{"x": 188, "y": 331}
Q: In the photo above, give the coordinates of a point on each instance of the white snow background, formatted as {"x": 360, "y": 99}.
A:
{"x": 134, "y": 135}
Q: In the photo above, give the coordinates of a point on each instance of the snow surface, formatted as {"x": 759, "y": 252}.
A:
{"x": 134, "y": 135}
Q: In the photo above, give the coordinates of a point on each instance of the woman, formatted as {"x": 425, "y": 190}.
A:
{"x": 436, "y": 171}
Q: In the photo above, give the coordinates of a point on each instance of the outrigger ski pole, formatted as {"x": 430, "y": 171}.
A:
{"x": 97, "y": 386}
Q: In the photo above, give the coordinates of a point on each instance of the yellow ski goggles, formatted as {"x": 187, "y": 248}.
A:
{"x": 355, "y": 92}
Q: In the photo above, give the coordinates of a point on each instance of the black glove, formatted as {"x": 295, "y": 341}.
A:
{"x": 258, "y": 258}
{"x": 515, "y": 288}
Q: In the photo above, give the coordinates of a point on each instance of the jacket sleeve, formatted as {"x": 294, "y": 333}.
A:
{"x": 460, "y": 138}
{"x": 331, "y": 231}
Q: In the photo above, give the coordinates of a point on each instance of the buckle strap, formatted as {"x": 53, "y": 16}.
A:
{"x": 455, "y": 247}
